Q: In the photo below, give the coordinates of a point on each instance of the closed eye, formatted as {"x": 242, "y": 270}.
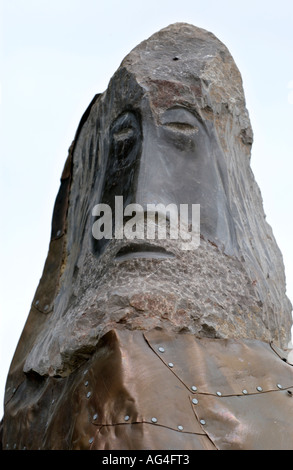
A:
{"x": 183, "y": 127}
{"x": 123, "y": 134}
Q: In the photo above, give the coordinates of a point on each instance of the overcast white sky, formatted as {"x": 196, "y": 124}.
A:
{"x": 55, "y": 55}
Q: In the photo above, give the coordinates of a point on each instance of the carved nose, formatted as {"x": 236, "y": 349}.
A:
{"x": 152, "y": 185}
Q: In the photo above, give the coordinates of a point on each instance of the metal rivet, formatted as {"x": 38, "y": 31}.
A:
{"x": 46, "y": 308}
{"x": 180, "y": 428}
{"x": 95, "y": 416}
{"x": 259, "y": 389}
{"x": 85, "y": 372}
{"x": 171, "y": 364}
{"x": 279, "y": 386}
{"x": 154, "y": 420}
{"x": 245, "y": 391}
{"x": 161, "y": 349}
{"x": 194, "y": 388}
{"x": 58, "y": 233}
{"x": 91, "y": 440}
{"x": 219, "y": 394}
{"x": 37, "y": 302}
{"x": 88, "y": 394}
{"x": 202, "y": 421}
{"x": 86, "y": 383}
{"x": 126, "y": 418}
{"x": 53, "y": 401}
{"x": 194, "y": 401}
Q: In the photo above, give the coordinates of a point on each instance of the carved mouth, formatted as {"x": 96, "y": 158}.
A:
{"x": 143, "y": 251}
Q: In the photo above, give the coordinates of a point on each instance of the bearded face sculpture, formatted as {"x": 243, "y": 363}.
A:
{"x": 171, "y": 130}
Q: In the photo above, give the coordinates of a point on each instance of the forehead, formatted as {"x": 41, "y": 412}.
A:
{"x": 165, "y": 94}
{"x": 154, "y": 97}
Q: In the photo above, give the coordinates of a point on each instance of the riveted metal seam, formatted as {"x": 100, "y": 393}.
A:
{"x": 94, "y": 437}
{"x": 152, "y": 424}
{"x": 249, "y": 394}
{"x": 197, "y": 418}
{"x": 284, "y": 359}
{"x": 171, "y": 369}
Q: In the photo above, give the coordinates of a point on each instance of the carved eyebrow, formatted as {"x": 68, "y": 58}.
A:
{"x": 127, "y": 119}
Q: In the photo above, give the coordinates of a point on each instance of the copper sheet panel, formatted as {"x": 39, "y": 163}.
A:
{"x": 260, "y": 421}
{"x": 131, "y": 395}
{"x": 227, "y": 366}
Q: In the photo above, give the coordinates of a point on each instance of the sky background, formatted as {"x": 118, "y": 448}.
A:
{"x": 56, "y": 55}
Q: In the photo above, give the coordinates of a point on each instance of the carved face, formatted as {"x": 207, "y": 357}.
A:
{"x": 171, "y": 132}
{"x": 167, "y": 156}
